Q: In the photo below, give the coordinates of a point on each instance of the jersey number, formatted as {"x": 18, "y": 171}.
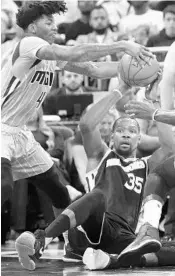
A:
{"x": 134, "y": 183}
{"x": 40, "y": 99}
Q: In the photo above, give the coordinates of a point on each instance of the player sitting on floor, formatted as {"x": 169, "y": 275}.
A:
{"x": 109, "y": 213}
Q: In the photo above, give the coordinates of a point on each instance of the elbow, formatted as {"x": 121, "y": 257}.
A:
{"x": 84, "y": 125}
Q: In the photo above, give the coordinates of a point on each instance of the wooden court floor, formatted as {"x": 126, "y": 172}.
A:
{"x": 51, "y": 264}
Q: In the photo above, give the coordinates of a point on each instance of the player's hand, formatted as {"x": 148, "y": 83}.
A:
{"x": 140, "y": 52}
{"x": 152, "y": 92}
{"x": 139, "y": 110}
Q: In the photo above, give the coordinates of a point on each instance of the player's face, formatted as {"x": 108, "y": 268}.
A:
{"x": 126, "y": 137}
{"x": 169, "y": 21}
{"x": 45, "y": 28}
{"x": 72, "y": 81}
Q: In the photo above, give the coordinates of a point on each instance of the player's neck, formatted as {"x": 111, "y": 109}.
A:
{"x": 133, "y": 155}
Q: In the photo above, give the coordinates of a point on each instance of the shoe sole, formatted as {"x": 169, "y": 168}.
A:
{"x": 26, "y": 250}
{"x": 132, "y": 257}
{"x": 71, "y": 260}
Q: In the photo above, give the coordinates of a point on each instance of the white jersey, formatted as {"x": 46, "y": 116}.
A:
{"x": 26, "y": 80}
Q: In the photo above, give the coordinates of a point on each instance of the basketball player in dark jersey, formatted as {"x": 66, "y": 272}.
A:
{"x": 109, "y": 213}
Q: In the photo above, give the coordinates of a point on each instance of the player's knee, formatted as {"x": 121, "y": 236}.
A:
{"x": 53, "y": 184}
{"x": 6, "y": 180}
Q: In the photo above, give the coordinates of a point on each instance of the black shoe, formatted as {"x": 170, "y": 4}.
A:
{"x": 147, "y": 241}
{"x": 30, "y": 247}
{"x": 71, "y": 255}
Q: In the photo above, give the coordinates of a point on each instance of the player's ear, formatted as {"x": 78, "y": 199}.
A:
{"x": 139, "y": 138}
{"x": 32, "y": 28}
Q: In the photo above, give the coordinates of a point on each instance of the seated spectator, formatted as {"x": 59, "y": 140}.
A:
{"x": 101, "y": 33}
{"x": 143, "y": 15}
{"x": 116, "y": 9}
{"x": 167, "y": 35}
{"x": 72, "y": 84}
{"x": 81, "y": 25}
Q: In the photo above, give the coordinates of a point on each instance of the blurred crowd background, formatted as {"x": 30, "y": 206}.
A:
{"x": 55, "y": 126}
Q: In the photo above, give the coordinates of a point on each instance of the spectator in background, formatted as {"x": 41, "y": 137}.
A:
{"x": 8, "y": 19}
{"x": 167, "y": 35}
{"x": 81, "y": 25}
{"x": 72, "y": 84}
{"x": 143, "y": 15}
{"x": 101, "y": 33}
{"x": 116, "y": 10}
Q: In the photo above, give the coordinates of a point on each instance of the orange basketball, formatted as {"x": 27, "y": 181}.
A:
{"x": 133, "y": 74}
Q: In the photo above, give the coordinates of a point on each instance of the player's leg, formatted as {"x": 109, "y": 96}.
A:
{"x": 6, "y": 180}
{"x": 77, "y": 213}
{"x": 7, "y": 152}
{"x": 51, "y": 183}
{"x": 158, "y": 183}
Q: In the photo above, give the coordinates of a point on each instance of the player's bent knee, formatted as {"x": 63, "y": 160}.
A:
{"x": 6, "y": 180}
{"x": 51, "y": 182}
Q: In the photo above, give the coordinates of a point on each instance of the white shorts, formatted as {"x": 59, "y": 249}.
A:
{"x": 26, "y": 155}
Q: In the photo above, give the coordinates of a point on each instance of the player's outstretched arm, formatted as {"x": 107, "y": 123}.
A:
{"x": 99, "y": 70}
{"x": 92, "y": 141}
{"x": 89, "y": 52}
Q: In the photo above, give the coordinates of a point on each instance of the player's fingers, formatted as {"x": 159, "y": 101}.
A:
{"x": 140, "y": 61}
{"x": 147, "y": 52}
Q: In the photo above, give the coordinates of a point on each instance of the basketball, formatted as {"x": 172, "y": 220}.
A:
{"x": 133, "y": 74}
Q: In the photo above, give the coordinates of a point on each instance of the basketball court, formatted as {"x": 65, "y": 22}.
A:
{"x": 51, "y": 264}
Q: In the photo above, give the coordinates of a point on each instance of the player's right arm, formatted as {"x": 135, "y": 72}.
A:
{"x": 89, "y": 52}
{"x": 92, "y": 141}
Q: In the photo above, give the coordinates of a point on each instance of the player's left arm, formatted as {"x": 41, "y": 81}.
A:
{"x": 101, "y": 70}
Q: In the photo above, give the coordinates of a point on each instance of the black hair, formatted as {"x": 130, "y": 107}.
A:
{"x": 123, "y": 118}
{"x": 169, "y": 9}
{"x": 33, "y": 10}
{"x": 98, "y": 7}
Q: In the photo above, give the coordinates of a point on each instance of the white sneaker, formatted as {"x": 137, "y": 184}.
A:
{"x": 95, "y": 259}
{"x": 25, "y": 246}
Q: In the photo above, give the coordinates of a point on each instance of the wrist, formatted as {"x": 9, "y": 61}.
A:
{"x": 123, "y": 45}
{"x": 154, "y": 115}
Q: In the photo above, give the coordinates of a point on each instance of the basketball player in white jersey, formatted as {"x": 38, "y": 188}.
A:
{"x": 28, "y": 77}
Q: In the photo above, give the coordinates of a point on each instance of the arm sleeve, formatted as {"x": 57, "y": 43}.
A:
{"x": 30, "y": 45}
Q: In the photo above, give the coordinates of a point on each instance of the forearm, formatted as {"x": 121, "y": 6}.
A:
{"x": 98, "y": 111}
{"x": 80, "y": 53}
{"x": 166, "y": 117}
{"x": 148, "y": 143}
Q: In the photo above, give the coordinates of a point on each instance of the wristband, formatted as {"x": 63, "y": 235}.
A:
{"x": 154, "y": 114}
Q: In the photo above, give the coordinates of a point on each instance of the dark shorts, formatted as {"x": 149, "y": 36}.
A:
{"x": 112, "y": 237}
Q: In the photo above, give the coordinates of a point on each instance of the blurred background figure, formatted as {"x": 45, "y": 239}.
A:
{"x": 143, "y": 15}
{"x": 73, "y": 84}
{"x": 167, "y": 35}
{"x": 8, "y": 19}
{"x": 80, "y": 25}
{"x": 116, "y": 9}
